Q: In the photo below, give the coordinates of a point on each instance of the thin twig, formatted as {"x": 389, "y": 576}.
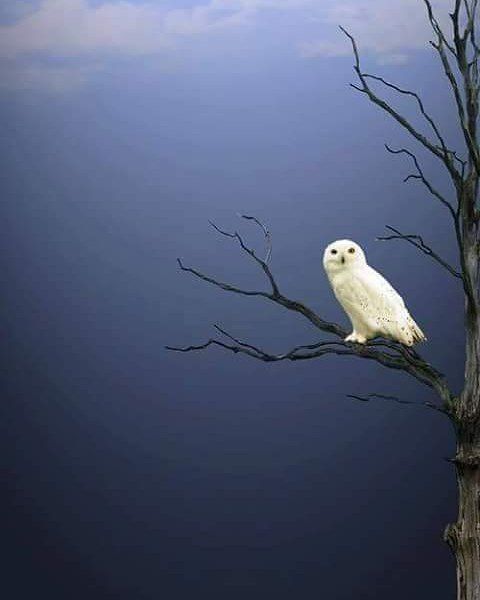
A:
{"x": 224, "y": 286}
{"x": 369, "y": 397}
{"x": 266, "y": 233}
{"x": 417, "y": 241}
{"x": 262, "y": 263}
{"x": 421, "y": 176}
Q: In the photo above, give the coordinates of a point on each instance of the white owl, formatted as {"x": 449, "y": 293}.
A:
{"x": 373, "y": 306}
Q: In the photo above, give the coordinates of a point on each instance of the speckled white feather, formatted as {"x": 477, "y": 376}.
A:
{"x": 375, "y": 309}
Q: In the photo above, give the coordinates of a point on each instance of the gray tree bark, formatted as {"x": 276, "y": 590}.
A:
{"x": 463, "y": 536}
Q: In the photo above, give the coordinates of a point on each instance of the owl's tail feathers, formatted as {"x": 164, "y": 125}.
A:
{"x": 417, "y": 334}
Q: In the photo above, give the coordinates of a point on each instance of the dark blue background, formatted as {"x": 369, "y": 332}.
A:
{"x": 135, "y": 473}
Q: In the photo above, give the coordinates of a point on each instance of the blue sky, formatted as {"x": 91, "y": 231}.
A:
{"x": 137, "y": 472}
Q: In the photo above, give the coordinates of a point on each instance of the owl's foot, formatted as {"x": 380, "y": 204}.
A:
{"x": 356, "y": 338}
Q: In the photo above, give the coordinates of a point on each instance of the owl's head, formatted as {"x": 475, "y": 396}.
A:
{"x": 343, "y": 254}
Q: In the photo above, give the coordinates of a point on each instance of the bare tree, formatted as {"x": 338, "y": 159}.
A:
{"x": 459, "y": 54}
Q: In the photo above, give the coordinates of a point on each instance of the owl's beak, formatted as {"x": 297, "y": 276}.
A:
{"x": 343, "y": 260}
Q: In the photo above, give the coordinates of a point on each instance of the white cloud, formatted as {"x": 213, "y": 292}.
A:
{"x": 387, "y": 28}
{"x": 66, "y": 29}
{"x": 76, "y": 29}
{"x": 73, "y": 28}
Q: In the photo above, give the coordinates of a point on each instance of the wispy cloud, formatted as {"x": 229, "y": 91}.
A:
{"x": 387, "y": 28}
{"x": 74, "y": 27}
{"x": 96, "y": 33}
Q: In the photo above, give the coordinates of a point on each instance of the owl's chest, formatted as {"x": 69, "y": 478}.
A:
{"x": 347, "y": 282}
{"x": 350, "y": 290}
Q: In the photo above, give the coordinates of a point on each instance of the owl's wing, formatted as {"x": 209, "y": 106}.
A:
{"x": 386, "y": 308}
{"x": 384, "y": 297}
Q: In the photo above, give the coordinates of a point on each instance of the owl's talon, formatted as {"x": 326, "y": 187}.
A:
{"x": 355, "y": 338}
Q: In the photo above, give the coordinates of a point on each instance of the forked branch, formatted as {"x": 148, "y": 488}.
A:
{"x": 393, "y": 357}
{"x": 420, "y": 175}
{"x": 440, "y": 151}
{"x": 386, "y": 352}
{"x": 467, "y": 104}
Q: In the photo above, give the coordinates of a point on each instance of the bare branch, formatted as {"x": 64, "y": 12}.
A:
{"x": 467, "y": 134}
{"x": 445, "y": 157}
{"x": 369, "y": 397}
{"x": 251, "y": 253}
{"x": 278, "y": 298}
{"x": 224, "y": 286}
{"x": 239, "y": 342}
{"x": 409, "y": 354}
{"x": 297, "y": 353}
{"x": 275, "y": 296}
{"x": 398, "y": 358}
{"x": 266, "y": 233}
{"x": 473, "y": 41}
{"x": 467, "y": 110}
{"x": 421, "y": 176}
{"x": 455, "y": 214}
{"x": 386, "y": 352}
{"x": 436, "y": 27}
{"x": 213, "y": 342}
{"x": 421, "y": 107}
{"x": 262, "y": 263}
{"x": 417, "y": 241}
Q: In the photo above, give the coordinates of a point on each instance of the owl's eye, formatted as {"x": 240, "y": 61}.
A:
{"x": 351, "y": 250}
{"x": 333, "y": 251}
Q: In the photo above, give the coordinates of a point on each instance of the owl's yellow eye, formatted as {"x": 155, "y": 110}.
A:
{"x": 333, "y": 251}
{"x": 351, "y": 250}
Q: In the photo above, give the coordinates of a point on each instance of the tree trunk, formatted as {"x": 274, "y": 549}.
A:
{"x": 463, "y": 536}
